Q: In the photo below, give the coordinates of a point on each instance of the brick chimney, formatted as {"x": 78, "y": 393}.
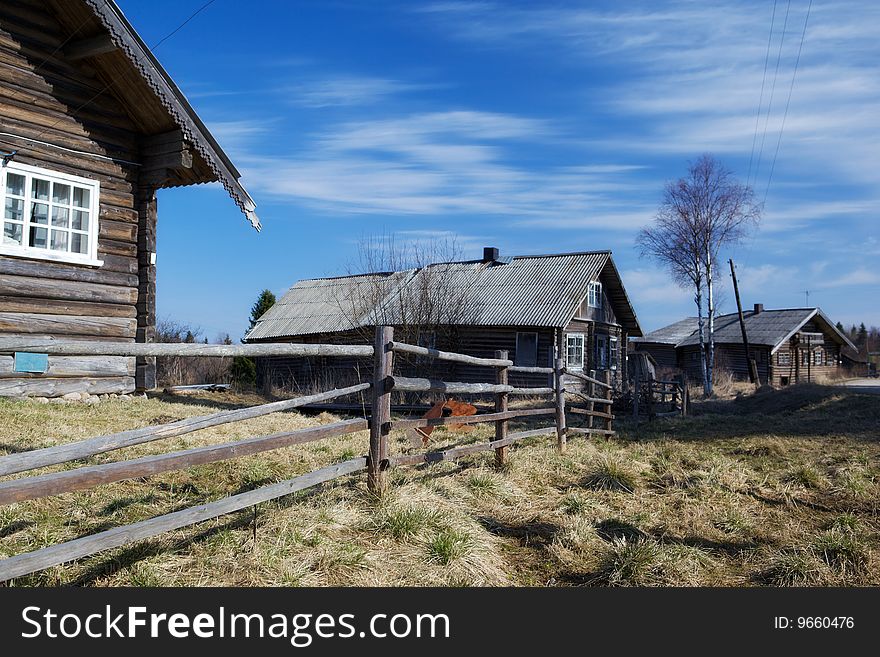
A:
{"x": 759, "y": 308}
{"x": 490, "y": 254}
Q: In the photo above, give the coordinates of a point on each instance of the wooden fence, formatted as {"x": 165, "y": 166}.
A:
{"x": 655, "y": 398}
{"x": 377, "y": 462}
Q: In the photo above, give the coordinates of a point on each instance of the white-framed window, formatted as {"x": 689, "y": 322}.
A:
{"x": 594, "y": 295}
{"x": 48, "y": 215}
{"x": 526, "y": 350}
{"x": 819, "y": 356}
{"x": 613, "y": 351}
{"x": 783, "y": 358}
{"x": 574, "y": 351}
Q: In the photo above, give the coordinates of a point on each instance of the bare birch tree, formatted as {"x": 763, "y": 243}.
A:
{"x": 700, "y": 214}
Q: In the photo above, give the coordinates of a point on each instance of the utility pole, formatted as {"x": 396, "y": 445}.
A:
{"x": 751, "y": 365}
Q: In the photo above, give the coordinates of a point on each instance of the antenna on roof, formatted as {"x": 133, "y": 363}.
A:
{"x": 807, "y": 294}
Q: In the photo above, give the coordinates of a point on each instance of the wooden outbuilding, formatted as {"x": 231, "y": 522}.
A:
{"x": 91, "y": 126}
{"x": 789, "y": 345}
{"x": 529, "y": 306}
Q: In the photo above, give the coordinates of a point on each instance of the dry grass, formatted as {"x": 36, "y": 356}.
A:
{"x": 771, "y": 489}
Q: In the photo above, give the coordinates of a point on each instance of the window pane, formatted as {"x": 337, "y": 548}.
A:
{"x": 14, "y": 184}
{"x": 60, "y": 217}
{"x": 39, "y": 237}
{"x": 12, "y": 233}
{"x": 59, "y": 240}
{"x": 79, "y": 243}
{"x": 61, "y": 193}
{"x": 40, "y": 213}
{"x": 81, "y": 197}
{"x": 40, "y": 190}
{"x": 80, "y": 220}
{"x": 15, "y": 209}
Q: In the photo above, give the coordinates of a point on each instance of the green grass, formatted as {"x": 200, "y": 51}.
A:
{"x": 449, "y": 544}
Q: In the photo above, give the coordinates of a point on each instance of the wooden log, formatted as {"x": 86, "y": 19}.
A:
{"x": 590, "y": 412}
{"x": 38, "y": 458}
{"x": 423, "y": 385}
{"x": 404, "y": 348}
{"x": 608, "y": 401}
{"x": 61, "y": 272}
{"x": 10, "y": 304}
{"x": 501, "y": 409}
{"x": 587, "y": 379}
{"x": 595, "y": 400}
{"x": 519, "y": 369}
{"x": 47, "y": 288}
{"x": 55, "y": 387}
{"x": 561, "y": 438}
{"x": 380, "y": 416}
{"x": 104, "y": 327}
{"x": 31, "y": 488}
{"x": 76, "y": 366}
{"x": 61, "y": 347}
{"x": 54, "y": 555}
{"x": 411, "y": 423}
{"x": 585, "y": 430}
{"x": 457, "y": 452}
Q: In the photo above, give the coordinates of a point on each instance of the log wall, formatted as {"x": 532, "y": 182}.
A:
{"x": 40, "y": 93}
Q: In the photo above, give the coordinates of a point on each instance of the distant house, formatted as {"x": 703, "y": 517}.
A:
{"x": 789, "y": 345}
{"x": 91, "y": 126}
{"x": 528, "y": 306}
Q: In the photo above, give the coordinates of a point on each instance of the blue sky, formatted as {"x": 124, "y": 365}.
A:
{"x": 535, "y": 127}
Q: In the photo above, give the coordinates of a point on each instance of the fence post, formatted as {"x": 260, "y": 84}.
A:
{"x": 500, "y": 407}
{"x": 559, "y": 365}
{"x": 380, "y": 417}
{"x": 650, "y": 399}
{"x": 606, "y": 378}
{"x": 685, "y": 393}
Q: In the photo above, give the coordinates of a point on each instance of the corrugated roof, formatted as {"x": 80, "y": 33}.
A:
{"x": 536, "y": 291}
{"x": 769, "y": 328}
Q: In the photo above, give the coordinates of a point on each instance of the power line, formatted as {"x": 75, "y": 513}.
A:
{"x": 788, "y": 100}
{"x": 772, "y": 90}
{"x": 151, "y": 49}
{"x": 761, "y": 97}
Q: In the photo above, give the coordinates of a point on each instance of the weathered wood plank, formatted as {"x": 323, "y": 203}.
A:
{"x": 61, "y": 347}
{"x": 76, "y": 366}
{"x": 587, "y": 379}
{"x": 54, "y": 555}
{"x": 586, "y": 411}
{"x": 448, "y": 355}
{"x": 10, "y": 304}
{"x": 594, "y": 400}
{"x": 89, "y": 47}
{"x": 37, "y": 387}
{"x": 38, "y": 458}
{"x": 31, "y": 488}
{"x": 604, "y": 432}
{"x": 61, "y": 272}
{"x": 411, "y": 423}
{"x": 380, "y": 410}
{"x": 104, "y": 327}
{"x": 519, "y": 369}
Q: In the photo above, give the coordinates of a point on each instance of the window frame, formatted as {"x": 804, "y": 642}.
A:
{"x": 783, "y": 358}
{"x": 613, "y": 352}
{"x": 583, "y": 340}
{"x": 517, "y": 359}
{"x": 36, "y": 253}
{"x": 594, "y": 294}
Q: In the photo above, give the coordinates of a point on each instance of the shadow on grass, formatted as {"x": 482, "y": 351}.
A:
{"x": 15, "y": 526}
{"x": 535, "y": 534}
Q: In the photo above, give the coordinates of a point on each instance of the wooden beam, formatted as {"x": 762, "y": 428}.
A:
{"x": 54, "y": 555}
{"x": 38, "y": 458}
{"x": 63, "y": 348}
{"x": 588, "y": 379}
{"x": 471, "y": 419}
{"x": 31, "y": 488}
{"x": 89, "y": 47}
{"x": 457, "y": 452}
{"x": 448, "y": 355}
{"x": 380, "y": 414}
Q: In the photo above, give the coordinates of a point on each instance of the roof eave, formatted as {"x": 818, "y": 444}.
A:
{"x": 126, "y": 38}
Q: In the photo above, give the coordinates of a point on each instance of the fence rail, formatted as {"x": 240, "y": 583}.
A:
{"x": 376, "y": 462}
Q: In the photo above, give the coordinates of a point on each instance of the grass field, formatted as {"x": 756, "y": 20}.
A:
{"x": 776, "y": 488}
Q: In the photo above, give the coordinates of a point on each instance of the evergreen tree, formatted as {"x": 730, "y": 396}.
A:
{"x": 862, "y": 335}
{"x": 840, "y": 328}
{"x": 265, "y": 301}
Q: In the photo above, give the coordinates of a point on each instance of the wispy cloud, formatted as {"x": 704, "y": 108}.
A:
{"x": 347, "y": 91}
{"x": 435, "y": 163}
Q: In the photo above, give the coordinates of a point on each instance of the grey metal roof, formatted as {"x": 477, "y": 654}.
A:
{"x": 769, "y": 328}
{"x": 535, "y": 291}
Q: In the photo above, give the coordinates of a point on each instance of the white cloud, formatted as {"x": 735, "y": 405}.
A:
{"x": 346, "y": 91}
